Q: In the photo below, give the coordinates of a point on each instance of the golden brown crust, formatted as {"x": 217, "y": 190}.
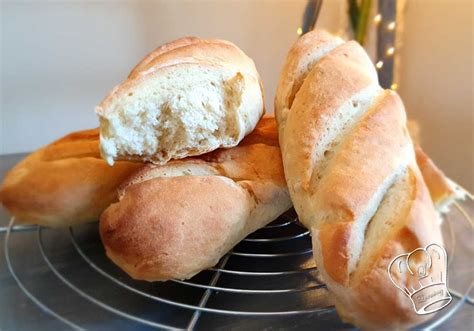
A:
{"x": 175, "y": 220}
{"x": 162, "y": 49}
{"x": 373, "y": 301}
{"x": 163, "y": 236}
{"x": 318, "y": 97}
{"x": 265, "y": 133}
{"x": 356, "y": 171}
{"x": 335, "y": 242}
{"x": 361, "y": 162}
{"x": 64, "y": 183}
{"x": 301, "y": 57}
{"x": 213, "y": 51}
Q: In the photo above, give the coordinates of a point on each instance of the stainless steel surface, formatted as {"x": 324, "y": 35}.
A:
{"x": 61, "y": 279}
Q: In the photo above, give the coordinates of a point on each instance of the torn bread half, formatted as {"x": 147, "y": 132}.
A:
{"x": 187, "y": 97}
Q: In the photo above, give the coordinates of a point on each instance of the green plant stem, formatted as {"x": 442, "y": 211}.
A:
{"x": 363, "y": 20}
{"x": 353, "y": 14}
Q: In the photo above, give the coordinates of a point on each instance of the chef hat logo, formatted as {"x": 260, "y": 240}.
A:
{"x": 421, "y": 275}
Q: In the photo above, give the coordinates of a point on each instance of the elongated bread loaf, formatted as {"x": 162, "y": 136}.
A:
{"x": 444, "y": 192}
{"x": 351, "y": 171}
{"x": 175, "y": 220}
{"x": 67, "y": 183}
{"x": 185, "y": 98}
{"x": 64, "y": 183}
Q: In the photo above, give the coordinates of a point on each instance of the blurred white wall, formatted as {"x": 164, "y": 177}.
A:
{"x": 436, "y": 81}
{"x": 59, "y": 59}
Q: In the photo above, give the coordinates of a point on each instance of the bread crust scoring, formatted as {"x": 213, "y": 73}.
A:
{"x": 352, "y": 174}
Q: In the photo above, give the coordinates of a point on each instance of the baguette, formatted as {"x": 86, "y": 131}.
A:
{"x": 352, "y": 174}
{"x": 67, "y": 183}
{"x": 187, "y": 97}
{"x": 175, "y": 220}
{"x": 64, "y": 183}
{"x": 443, "y": 191}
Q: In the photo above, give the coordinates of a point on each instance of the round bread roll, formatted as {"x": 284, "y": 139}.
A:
{"x": 187, "y": 97}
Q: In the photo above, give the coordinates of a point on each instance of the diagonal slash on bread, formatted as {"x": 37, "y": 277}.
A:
{"x": 353, "y": 176}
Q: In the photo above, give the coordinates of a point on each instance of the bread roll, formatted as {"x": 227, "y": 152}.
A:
{"x": 64, "y": 183}
{"x": 352, "y": 174}
{"x": 67, "y": 183}
{"x": 175, "y": 220}
{"x": 185, "y": 98}
{"x": 444, "y": 192}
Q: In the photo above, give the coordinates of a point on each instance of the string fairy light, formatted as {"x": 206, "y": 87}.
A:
{"x": 388, "y": 23}
{"x": 377, "y": 18}
{"x": 390, "y": 51}
{"x": 387, "y": 26}
{"x": 299, "y": 31}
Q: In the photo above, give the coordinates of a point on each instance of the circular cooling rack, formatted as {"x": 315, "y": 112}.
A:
{"x": 269, "y": 279}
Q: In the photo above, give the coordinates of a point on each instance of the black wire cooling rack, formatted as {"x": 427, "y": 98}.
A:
{"x": 268, "y": 280}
